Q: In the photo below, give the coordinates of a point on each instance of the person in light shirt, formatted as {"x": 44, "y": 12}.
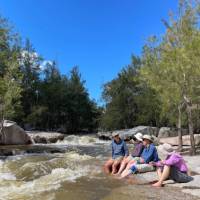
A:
{"x": 173, "y": 167}
{"x": 119, "y": 152}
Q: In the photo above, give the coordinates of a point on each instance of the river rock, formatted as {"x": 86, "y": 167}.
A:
{"x": 45, "y": 137}
{"x": 165, "y": 132}
{"x": 108, "y": 134}
{"x": 127, "y": 134}
{"x": 142, "y": 129}
{"x": 186, "y": 140}
{"x": 12, "y": 134}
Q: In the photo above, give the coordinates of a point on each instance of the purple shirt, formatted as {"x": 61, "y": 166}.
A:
{"x": 175, "y": 160}
{"x": 138, "y": 150}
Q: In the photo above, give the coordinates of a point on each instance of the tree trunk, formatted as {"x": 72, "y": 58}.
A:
{"x": 190, "y": 126}
{"x": 2, "y": 136}
{"x": 180, "y": 141}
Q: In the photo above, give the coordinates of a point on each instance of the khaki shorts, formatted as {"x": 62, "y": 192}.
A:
{"x": 130, "y": 157}
{"x": 119, "y": 158}
{"x": 136, "y": 159}
{"x": 142, "y": 168}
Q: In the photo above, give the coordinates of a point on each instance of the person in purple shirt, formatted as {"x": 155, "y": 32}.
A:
{"x": 136, "y": 152}
{"x": 119, "y": 151}
{"x": 173, "y": 167}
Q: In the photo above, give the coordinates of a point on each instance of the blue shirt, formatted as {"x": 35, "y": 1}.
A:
{"x": 150, "y": 154}
{"x": 119, "y": 149}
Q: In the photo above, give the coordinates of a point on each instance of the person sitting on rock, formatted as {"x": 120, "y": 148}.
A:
{"x": 173, "y": 167}
{"x": 119, "y": 151}
{"x": 141, "y": 164}
{"x": 136, "y": 152}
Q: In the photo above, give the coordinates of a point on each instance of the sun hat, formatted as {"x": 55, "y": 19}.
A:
{"x": 166, "y": 149}
{"x": 138, "y": 136}
{"x": 148, "y": 137}
{"x": 114, "y": 134}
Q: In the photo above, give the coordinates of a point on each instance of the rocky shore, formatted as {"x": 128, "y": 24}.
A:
{"x": 45, "y": 137}
{"x": 160, "y": 135}
{"x": 13, "y": 134}
{"x": 126, "y": 134}
{"x": 192, "y": 187}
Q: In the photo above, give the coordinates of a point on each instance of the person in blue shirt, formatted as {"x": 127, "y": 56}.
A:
{"x": 119, "y": 151}
{"x": 141, "y": 164}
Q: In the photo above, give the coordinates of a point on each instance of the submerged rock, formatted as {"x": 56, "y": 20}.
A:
{"x": 45, "y": 137}
{"x": 12, "y": 134}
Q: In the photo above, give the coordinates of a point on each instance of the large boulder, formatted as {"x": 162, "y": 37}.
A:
{"x": 186, "y": 140}
{"x": 145, "y": 130}
{"x": 12, "y": 134}
{"x": 107, "y": 135}
{"x": 127, "y": 134}
{"x": 165, "y": 132}
{"x": 45, "y": 137}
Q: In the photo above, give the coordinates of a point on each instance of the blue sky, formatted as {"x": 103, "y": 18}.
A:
{"x": 97, "y": 35}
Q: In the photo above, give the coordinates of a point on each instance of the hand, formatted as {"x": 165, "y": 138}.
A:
{"x": 162, "y": 162}
{"x": 141, "y": 160}
{"x": 152, "y": 163}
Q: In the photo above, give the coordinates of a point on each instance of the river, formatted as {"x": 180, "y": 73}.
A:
{"x": 74, "y": 174}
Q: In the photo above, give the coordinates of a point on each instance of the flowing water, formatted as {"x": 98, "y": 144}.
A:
{"x": 72, "y": 175}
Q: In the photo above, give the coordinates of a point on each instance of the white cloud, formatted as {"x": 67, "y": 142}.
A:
{"x": 44, "y": 63}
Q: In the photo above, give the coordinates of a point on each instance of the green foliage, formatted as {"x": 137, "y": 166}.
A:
{"x": 37, "y": 95}
{"x": 171, "y": 66}
{"x": 149, "y": 91}
{"x": 166, "y": 77}
{"x": 63, "y": 103}
{"x": 10, "y": 77}
{"x": 129, "y": 101}
{"x": 30, "y": 63}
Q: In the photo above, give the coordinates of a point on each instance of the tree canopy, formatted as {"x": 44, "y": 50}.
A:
{"x": 36, "y": 95}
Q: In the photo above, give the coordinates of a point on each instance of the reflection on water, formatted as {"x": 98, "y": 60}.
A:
{"x": 71, "y": 175}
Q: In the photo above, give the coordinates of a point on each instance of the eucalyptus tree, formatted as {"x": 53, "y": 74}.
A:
{"x": 171, "y": 66}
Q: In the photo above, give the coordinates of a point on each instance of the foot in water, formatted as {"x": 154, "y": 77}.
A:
{"x": 132, "y": 181}
{"x": 116, "y": 175}
{"x": 157, "y": 184}
{"x": 152, "y": 182}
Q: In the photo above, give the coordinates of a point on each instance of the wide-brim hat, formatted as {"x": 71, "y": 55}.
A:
{"x": 114, "y": 134}
{"x": 139, "y": 136}
{"x": 148, "y": 137}
{"x": 166, "y": 149}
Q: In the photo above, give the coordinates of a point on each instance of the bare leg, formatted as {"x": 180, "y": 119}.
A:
{"x": 159, "y": 173}
{"x": 123, "y": 165}
{"x": 125, "y": 173}
{"x": 164, "y": 176}
{"x": 130, "y": 164}
{"x": 115, "y": 165}
{"x": 108, "y": 166}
